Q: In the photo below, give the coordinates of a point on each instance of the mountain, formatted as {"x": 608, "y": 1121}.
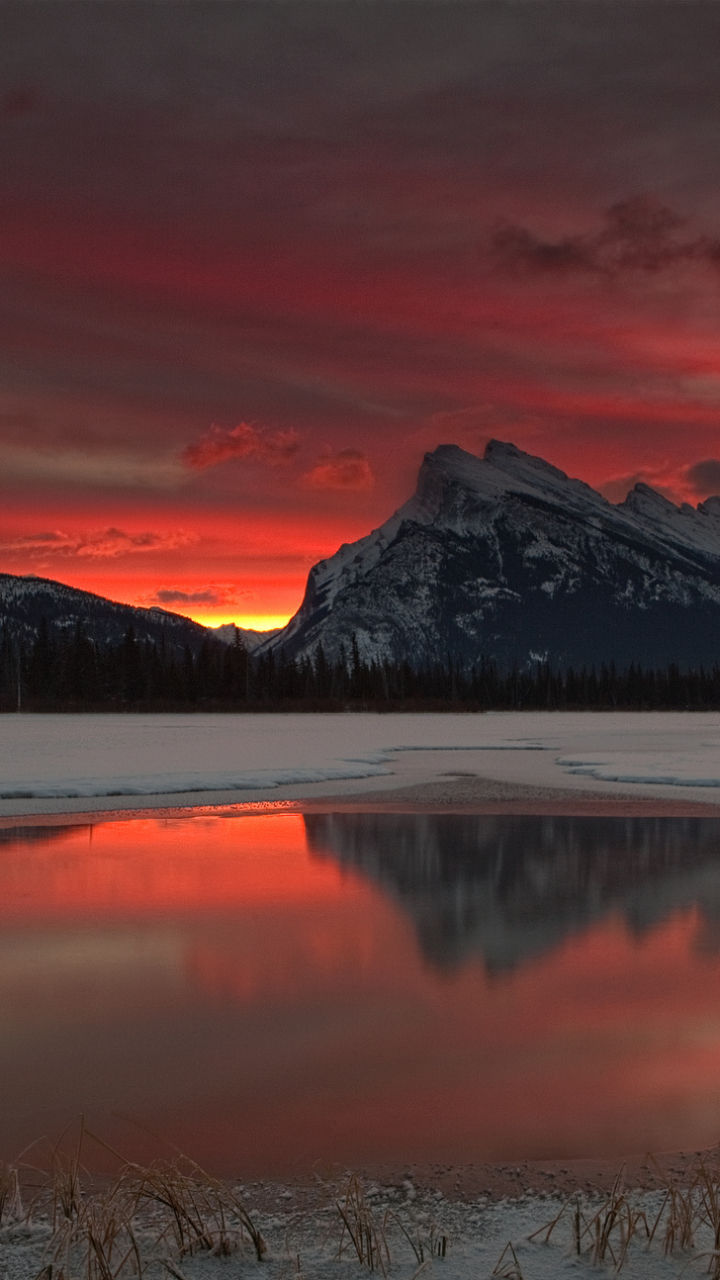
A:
{"x": 24, "y": 602}
{"x": 507, "y": 557}
{"x": 228, "y": 631}
{"x": 508, "y": 889}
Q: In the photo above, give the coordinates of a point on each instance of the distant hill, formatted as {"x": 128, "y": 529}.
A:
{"x": 24, "y": 602}
{"x": 251, "y": 639}
{"x": 506, "y": 557}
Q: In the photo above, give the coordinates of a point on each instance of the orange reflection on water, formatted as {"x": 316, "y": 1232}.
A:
{"x": 263, "y": 1008}
{"x": 150, "y": 866}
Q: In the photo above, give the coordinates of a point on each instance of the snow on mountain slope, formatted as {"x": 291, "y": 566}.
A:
{"x": 24, "y": 602}
{"x": 507, "y": 557}
{"x": 228, "y": 632}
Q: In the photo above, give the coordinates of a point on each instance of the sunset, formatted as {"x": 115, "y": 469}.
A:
{"x": 359, "y": 639}
{"x": 254, "y": 267}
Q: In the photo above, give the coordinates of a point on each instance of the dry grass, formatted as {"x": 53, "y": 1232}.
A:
{"x": 606, "y": 1234}
{"x": 154, "y": 1216}
{"x": 507, "y": 1266}
{"x": 145, "y": 1216}
{"x": 689, "y": 1215}
{"x": 360, "y": 1226}
{"x": 10, "y": 1201}
{"x": 368, "y": 1235}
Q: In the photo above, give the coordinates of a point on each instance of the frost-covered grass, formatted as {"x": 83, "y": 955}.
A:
{"x": 90, "y": 756}
{"x": 174, "y": 1220}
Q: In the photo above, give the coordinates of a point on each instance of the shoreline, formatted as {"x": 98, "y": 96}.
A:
{"x": 402, "y": 1227}
{"x": 507, "y": 1180}
{"x": 477, "y": 795}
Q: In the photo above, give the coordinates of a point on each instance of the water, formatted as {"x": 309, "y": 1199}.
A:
{"x": 269, "y": 992}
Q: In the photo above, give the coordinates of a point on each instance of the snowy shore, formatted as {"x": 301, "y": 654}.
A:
{"x": 54, "y": 764}
{"x": 415, "y": 1229}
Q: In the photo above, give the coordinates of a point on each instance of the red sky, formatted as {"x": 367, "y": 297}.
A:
{"x": 256, "y": 259}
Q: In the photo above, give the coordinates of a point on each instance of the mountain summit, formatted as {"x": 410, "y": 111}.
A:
{"x": 506, "y": 557}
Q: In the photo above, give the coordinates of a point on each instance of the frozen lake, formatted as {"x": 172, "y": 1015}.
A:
{"x": 270, "y": 991}
{"x": 68, "y": 760}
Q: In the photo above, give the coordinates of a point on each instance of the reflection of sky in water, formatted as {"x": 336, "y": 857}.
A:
{"x": 270, "y": 991}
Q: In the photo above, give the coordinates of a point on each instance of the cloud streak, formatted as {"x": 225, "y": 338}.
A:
{"x": 639, "y": 235}
{"x": 101, "y": 468}
{"x": 348, "y": 470}
{"x": 101, "y": 544}
{"x": 244, "y": 441}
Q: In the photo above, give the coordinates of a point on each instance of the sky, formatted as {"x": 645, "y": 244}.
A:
{"x": 257, "y": 258}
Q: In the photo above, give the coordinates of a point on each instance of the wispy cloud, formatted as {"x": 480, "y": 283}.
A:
{"x": 638, "y": 235}
{"x": 246, "y": 440}
{"x": 106, "y": 468}
{"x": 349, "y": 470}
{"x": 101, "y": 544}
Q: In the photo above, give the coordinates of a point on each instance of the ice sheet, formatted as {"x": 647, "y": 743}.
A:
{"x": 84, "y": 756}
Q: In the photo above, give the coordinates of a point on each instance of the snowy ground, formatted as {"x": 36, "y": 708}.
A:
{"x": 50, "y": 763}
{"x": 480, "y": 1240}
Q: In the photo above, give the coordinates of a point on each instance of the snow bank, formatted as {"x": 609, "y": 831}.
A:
{"x": 698, "y": 768}
{"x": 84, "y": 756}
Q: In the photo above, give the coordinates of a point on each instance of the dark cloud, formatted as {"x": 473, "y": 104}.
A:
{"x": 212, "y": 595}
{"x": 639, "y": 234}
{"x": 704, "y": 477}
{"x": 256, "y": 444}
{"x": 349, "y": 470}
{"x": 172, "y": 595}
{"x": 617, "y": 489}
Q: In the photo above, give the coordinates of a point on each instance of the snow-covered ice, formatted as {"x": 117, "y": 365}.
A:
{"x": 484, "y": 1240}
{"x": 82, "y": 757}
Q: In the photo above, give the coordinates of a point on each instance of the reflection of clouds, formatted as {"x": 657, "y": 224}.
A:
{"x": 306, "y": 954}
{"x": 33, "y": 961}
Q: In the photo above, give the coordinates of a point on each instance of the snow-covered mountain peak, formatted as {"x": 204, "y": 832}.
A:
{"x": 514, "y": 462}
{"x": 646, "y": 501}
{"x": 697, "y": 528}
{"x": 506, "y": 556}
{"x": 710, "y": 507}
{"x": 450, "y": 476}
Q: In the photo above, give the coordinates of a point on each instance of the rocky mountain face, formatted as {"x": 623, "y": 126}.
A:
{"x": 25, "y": 601}
{"x": 509, "y": 889}
{"x": 507, "y": 557}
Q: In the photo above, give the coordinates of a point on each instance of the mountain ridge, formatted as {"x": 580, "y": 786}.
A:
{"x": 25, "y": 601}
{"x": 508, "y": 558}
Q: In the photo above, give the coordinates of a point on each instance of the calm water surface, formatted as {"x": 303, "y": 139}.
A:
{"x": 267, "y": 992}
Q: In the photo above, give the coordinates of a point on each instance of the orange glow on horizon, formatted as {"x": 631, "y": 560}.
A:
{"x": 249, "y": 622}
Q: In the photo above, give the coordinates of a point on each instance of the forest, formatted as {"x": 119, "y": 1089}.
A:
{"x": 71, "y": 672}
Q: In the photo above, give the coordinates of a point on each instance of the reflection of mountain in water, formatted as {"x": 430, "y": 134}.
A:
{"x": 507, "y": 888}
{"x": 10, "y": 836}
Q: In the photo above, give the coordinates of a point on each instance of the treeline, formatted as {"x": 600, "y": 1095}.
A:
{"x": 71, "y": 672}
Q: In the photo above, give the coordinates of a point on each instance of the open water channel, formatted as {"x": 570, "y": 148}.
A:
{"x": 269, "y": 992}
